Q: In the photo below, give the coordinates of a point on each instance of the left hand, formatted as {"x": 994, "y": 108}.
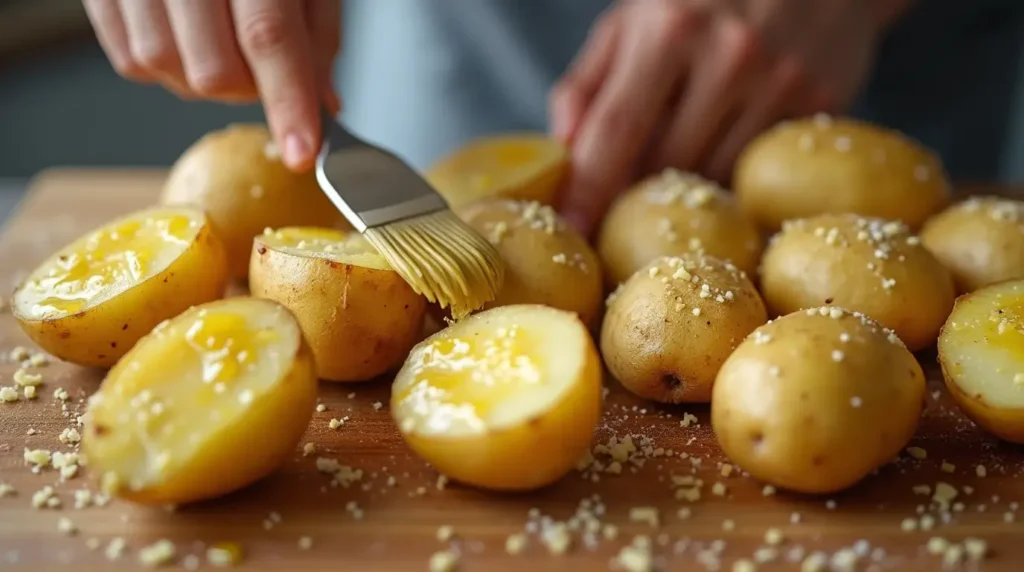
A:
{"x": 687, "y": 83}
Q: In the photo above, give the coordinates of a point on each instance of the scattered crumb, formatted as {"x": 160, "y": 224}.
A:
{"x": 981, "y": 471}
{"x": 305, "y": 543}
{"x": 445, "y": 533}
{"x": 645, "y": 514}
{"x": 65, "y": 526}
{"x": 115, "y": 550}
{"x": 768, "y": 491}
{"x": 377, "y": 405}
{"x": 157, "y": 554}
{"x": 444, "y": 561}
{"x": 320, "y": 408}
{"x": 308, "y": 449}
{"x": 917, "y": 453}
{"x": 515, "y": 543}
{"x": 773, "y": 536}
{"x": 948, "y": 467}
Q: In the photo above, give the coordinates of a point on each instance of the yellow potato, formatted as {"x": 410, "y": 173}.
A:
{"x": 865, "y": 265}
{"x": 209, "y": 402}
{"x": 546, "y": 261}
{"x": 507, "y": 399}
{"x": 524, "y": 166}
{"x": 823, "y": 165}
{"x": 671, "y": 214}
{"x": 980, "y": 240}
{"x": 360, "y": 317}
{"x": 672, "y": 324}
{"x": 814, "y": 401}
{"x": 237, "y": 177}
{"x": 93, "y": 299}
{"x": 981, "y": 351}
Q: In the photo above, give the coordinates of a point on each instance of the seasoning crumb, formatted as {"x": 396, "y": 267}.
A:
{"x": 981, "y": 471}
{"x": 773, "y": 536}
{"x": 305, "y": 543}
{"x": 224, "y": 554}
{"x": 377, "y": 405}
{"x": 309, "y": 449}
{"x": 768, "y": 491}
{"x": 948, "y": 467}
{"x": 645, "y": 514}
{"x": 65, "y": 526}
{"x": 445, "y": 533}
{"x": 444, "y": 561}
{"x": 115, "y": 549}
{"x": 917, "y": 453}
{"x": 515, "y": 543}
{"x": 157, "y": 554}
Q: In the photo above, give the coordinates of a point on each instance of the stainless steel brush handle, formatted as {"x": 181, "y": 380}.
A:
{"x": 369, "y": 185}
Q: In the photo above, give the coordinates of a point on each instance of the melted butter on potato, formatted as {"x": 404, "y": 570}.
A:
{"x": 332, "y": 244}
{"x": 505, "y": 399}
{"x": 815, "y": 400}
{"x": 672, "y": 324}
{"x": 981, "y": 241}
{"x": 867, "y": 265}
{"x": 175, "y": 419}
{"x": 981, "y": 351}
{"x": 675, "y": 213}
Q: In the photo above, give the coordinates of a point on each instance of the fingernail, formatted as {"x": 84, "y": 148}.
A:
{"x": 296, "y": 151}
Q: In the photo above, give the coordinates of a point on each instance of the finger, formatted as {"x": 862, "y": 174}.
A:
{"x": 210, "y": 56}
{"x": 272, "y": 34}
{"x": 152, "y": 44}
{"x": 323, "y": 19}
{"x": 764, "y": 109}
{"x": 715, "y": 88}
{"x": 105, "y": 17}
{"x": 576, "y": 89}
{"x": 624, "y": 112}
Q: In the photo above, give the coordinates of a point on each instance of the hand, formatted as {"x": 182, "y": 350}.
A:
{"x": 279, "y": 51}
{"x": 687, "y": 83}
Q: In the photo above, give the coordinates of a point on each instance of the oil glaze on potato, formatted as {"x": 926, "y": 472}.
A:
{"x": 814, "y": 401}
{"x": 981, "y": 351}
{"x": 507, "y": 399}
{"x": 209, "y": 402}
{"x": 92, "y": 300}
{"x": 675, "y": 213}
{"x": 865, "y": 265}
{"x": 981, "y": 240}
{"x": 823, "y": 165}
{"x": 360, "y": 317}
{"x": 546, "y": 261}
{"x": 237, "y": 177}
{"x": 672, "y": 324}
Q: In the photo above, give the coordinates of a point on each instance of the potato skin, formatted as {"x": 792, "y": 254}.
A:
{"x": 655, "y": 345}
{"x": 865, "y": 265}
{"x": 825, "y": 165}
{"x": 794, "y": 413}
{"x": 237, "y": 177}
{"x": 99, "y": 336}
{"x": 361, "y": 322}
{"x": 980, "y": 240}
{"x": 529, "y": 238}
{"x": 670, "y": 214}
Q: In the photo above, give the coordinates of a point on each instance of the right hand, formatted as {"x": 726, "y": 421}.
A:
{"x": 278, "y": 51}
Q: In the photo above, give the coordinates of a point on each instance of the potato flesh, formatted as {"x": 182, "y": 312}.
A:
{"x": 982, "y": 345}
{"x": 341, "y": 246}
{"x": 486, "y": 375}
{"x": 190, "y": 379}
{"x": 107, "y": 262}
{"x": 492, "y": 167}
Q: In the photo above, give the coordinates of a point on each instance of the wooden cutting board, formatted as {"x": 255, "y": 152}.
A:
{"x": 395, "y": 527}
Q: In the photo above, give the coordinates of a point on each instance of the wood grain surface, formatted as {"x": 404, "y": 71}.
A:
{"x": 394, "y": 527}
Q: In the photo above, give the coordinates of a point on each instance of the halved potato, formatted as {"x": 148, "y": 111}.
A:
{"x": 360, "y": 317}
{"x": 507, "y": 399}
{"x": 209, "y": 402}
{"x": 91, "y": 301}
{"x": 981, "y": 351}
{"x": 525, "y": 166}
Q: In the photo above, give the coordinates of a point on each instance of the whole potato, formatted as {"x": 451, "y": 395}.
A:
{"x": 546, "y": 261}
{"x": 814, "y": 401}
{"x": 981, "y": 240}
{"x": 866, "y": 265}
{"x": 823, "y": 165}
{"x": 672, "y": 324}
{"x": 674, "y": 213}
{"x": 237, "y": 177}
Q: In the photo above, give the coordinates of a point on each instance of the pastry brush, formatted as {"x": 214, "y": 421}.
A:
{"x": 408, "y": 222}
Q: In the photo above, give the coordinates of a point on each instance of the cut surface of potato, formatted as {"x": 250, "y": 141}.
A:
{"x": 817, "y": 399}
{"x": 525, "y": 166}
{"x": 674, "y": 213}
{"x": 209, "y": 402}
{"x": 981, "y": 351}
{"x": 360, "y": 317}
{"x": 980, "y": 240}
{"x": 92, "y": 300}
{"x": 506, "y": 399}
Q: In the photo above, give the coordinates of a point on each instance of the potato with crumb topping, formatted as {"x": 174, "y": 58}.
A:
{"x": 825, "y": 165}
{"x": 675, "y": 213}
{"x": 981, "y": 241}
{"x": 360, "y": 316}
{"x": 981, "y": 351}
{"x": 866, "y": 265}
{"x": 546, "y": 261}
{"x": 817, "y": 399}
{"x": 669, "y": 327}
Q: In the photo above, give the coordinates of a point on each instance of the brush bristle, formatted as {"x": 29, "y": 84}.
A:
{"x": 443, "y": 259}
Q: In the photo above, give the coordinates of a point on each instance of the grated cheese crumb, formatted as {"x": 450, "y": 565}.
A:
{"x": 515, "y": 543}
{"x": 444, "y": 561}
{"x": 157, "y": 554}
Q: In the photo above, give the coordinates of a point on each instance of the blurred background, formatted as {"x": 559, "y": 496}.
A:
{"x": 61, "y": 104}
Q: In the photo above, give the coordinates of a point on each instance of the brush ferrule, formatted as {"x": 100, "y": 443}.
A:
{"x": 418, "y": 206}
